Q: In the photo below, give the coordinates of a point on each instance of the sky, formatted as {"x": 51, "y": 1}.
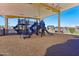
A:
{"x": 68, "y": 18}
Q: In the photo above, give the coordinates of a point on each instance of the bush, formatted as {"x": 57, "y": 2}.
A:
{"x": 72, "y": 30}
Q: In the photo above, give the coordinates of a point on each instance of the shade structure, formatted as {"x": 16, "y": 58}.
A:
{"x": 36, "y": 11}
{"x": 33, "y": 10}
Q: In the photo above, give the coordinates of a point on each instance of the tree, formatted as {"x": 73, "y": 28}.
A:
{"x": 72, "y": 30}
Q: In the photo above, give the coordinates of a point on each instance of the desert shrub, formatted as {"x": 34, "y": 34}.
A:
{"x": 72, "y": 30}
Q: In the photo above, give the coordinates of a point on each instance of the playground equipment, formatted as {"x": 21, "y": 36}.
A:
{"x": 43, "y": 28}
{"x": 22, "y": 27}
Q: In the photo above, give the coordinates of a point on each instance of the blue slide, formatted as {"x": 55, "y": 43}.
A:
{"x": 32, "y": 28}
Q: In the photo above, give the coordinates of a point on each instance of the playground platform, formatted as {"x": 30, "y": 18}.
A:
{"x": 15, "y": 45}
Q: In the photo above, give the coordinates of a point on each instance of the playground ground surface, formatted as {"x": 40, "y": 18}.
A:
{"x": 15, "y": 45}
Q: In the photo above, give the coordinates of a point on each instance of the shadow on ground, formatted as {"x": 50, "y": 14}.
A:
{"x": 69, "y": 48}
{"x": 76, "y": 36}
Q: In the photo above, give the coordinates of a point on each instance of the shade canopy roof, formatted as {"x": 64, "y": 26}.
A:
{"x": 33, "y": 10}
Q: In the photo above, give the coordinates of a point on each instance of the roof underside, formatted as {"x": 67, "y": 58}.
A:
{"x": 33, "y": 10}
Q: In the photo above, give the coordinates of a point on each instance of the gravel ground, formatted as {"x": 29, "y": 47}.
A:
{"x": 14, "y": 45}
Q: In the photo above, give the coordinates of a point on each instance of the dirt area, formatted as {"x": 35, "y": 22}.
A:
{"x": 14, "y": 45}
